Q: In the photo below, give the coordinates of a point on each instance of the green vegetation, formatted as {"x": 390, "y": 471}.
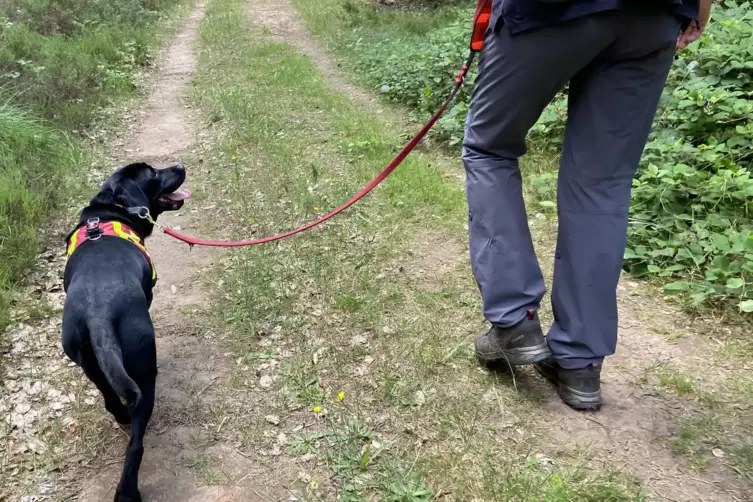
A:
{"x": 691, "y": 221}
{"x": 61, "y": 63}
{"x": 692, "y": 211}
{"x": 66, "y": 60}
{"x": 34, "y": 161}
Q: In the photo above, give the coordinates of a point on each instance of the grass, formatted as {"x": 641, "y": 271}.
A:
{"x": 714, "y": 417}
{"x": 68, "y": 62}
{"x": 361, "y": 331}
{"x": 34, "y": 161}
{"x": 674, "y": 380}
{"x": 720, "y": 406}
{"x": 368, "y": 320}
{"x": 336, "y": 18}
{"x": 61, "y": 67}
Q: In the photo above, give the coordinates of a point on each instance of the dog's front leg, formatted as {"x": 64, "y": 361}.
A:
{"x": 128, "y": 489}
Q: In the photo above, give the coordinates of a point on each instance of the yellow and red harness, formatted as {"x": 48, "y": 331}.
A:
{"x": 95, "y": 230}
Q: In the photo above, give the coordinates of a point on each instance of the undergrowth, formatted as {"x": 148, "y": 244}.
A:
{"x": 66, "y": 60}
{"x": 690, "y": 218}
{"x": 61, "y": 64}
{"x": 34, "y": 161}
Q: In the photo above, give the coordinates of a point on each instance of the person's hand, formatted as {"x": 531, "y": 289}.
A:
{"x": 689, "y": 35}
{"x": 695, "y": 29}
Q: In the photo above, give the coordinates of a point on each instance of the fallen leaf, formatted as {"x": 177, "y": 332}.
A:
{"x": 419, "y": 398}
{"x": 266, "y": 382}
{"x": 272, "y": 419}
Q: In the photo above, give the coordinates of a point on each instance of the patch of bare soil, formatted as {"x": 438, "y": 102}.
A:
{"x": 435, "y": 258}
{"x": 636, "y": 425}
{"x": 634, "y": 429}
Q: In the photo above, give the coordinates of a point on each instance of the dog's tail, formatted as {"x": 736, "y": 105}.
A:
{"x": 110, "y": 359}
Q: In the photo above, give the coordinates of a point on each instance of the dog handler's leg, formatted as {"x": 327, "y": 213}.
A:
{"x": 611, "y": 108}
{"x": 518, "y": 76}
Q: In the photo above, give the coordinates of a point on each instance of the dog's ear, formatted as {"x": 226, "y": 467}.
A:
{"x": 128, "y": 193}
{"x": 123, "y": 188}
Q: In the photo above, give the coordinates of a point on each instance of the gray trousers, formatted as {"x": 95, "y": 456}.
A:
{"x": 616, "y": 63}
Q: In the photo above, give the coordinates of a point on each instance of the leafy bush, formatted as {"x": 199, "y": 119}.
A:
{"x": 692, "y": 210}
{"x": 691, "y": 220}
{"x": 418, "y": 70}
{"x": 693, "y": 197}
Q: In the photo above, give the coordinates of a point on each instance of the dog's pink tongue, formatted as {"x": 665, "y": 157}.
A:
{"x": 178, "y": 195}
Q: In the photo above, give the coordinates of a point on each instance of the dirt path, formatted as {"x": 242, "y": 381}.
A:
{"x": 190, "y": 453}
{"x": 185, "y": 458}
{"x": 634, "y": 429}
{"x": 282, "y": 21}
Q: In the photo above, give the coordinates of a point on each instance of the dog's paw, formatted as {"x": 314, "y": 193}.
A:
{"x": 131, "y": 497}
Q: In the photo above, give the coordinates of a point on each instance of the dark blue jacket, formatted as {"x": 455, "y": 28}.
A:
{"x": 521, "y": 15}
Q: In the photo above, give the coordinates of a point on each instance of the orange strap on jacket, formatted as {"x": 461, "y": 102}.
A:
{"x": 480, "y": 24}
{"x": 94, "y": 230}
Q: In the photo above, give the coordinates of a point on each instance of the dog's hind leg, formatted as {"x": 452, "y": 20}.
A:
{"x": 128, "y": 490}
{"x": 112, "y": 401}
{"x": 77, "y": 346}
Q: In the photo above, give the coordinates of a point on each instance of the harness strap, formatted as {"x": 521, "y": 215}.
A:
{"x": 95, "y": 230}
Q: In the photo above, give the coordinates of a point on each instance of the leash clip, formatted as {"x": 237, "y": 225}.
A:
{"x": 143, "y": 213}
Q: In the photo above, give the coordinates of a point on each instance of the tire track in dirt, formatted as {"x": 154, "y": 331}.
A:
{"x": 184, "y": 453}
{"x": 282, "y": 21}
{"x": 284, "y": 24}
{"x": 626, "y": 434}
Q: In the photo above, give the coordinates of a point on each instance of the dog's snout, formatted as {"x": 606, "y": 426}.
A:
{"x": 180, "y": 167}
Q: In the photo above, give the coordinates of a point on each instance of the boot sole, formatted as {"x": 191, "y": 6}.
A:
{"x": 518, "y": 357}
{"x": 580, "y": 401}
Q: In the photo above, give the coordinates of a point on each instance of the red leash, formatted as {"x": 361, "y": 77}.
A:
{"x": 368, "y": 188}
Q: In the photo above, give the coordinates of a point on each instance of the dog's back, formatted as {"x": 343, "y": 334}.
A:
{"x": 106, "y": 320}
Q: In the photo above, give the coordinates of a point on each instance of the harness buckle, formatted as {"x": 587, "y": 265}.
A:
{"x": 93, "y": 231}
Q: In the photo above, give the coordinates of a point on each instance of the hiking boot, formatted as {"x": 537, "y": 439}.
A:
{"x": 580, "y": 389}
{"x": 521, "y": 344}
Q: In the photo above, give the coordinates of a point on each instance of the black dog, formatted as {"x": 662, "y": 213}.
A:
{"x": 109, "y": 278}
